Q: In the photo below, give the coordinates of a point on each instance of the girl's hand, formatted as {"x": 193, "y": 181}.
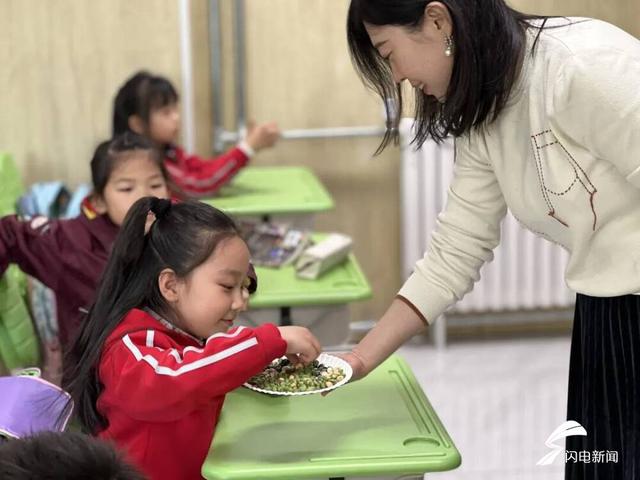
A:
{"x": 263, "y": 135}
{"x": 300, "y": 343}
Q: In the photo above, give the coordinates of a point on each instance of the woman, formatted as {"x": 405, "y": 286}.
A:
{"x": 546, "y": 117}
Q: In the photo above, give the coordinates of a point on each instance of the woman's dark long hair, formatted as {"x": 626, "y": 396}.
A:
{"x": 182, "y": 237}
{"x": 140, "y": 94}
{"x": 489, "y": 39}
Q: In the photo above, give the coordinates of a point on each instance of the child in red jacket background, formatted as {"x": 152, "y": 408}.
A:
{"x": 148, "y": 105}
{"x": 158, "y": 353}
{"x": 68, "y": 256}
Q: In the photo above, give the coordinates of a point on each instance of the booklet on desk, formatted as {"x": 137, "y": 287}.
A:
{"x": 273, "y": 245}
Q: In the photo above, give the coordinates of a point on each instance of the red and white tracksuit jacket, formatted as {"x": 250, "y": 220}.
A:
{"x": 163, "y": 389}
{"x": 200, "y": 177}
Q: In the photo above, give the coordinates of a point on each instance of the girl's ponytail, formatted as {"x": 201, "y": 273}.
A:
{"x": 116, "y": 295}
{"x": 126, "y": 254}
{"x": 160, "y": 207}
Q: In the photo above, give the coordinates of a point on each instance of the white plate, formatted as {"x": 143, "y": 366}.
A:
{"x": 324, "y": 359}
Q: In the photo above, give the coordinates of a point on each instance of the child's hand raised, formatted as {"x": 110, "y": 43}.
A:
{"x": 300, "y": 342}
{"x": 263, "y": 135}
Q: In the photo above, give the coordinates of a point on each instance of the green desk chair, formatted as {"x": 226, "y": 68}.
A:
{"x": 19, "y": 346}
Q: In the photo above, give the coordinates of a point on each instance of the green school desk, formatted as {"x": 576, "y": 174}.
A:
{"x": 269, "y": 191}
{"x": 278, "y": 287}
{"x": 382, "y": 425}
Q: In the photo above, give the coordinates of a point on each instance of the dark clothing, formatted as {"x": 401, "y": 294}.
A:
{"x": 68, "y": 256}
{"x": 604, "y": 388}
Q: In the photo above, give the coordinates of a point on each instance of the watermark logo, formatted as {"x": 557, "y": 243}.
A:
{"x": 572, "y": 428}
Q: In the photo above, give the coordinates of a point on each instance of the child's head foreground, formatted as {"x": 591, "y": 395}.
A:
{"x": 148, "y": 105}
{"x": 124, "y": 169}
{"x": 184, "y": 261}
{"x": 68, "y": 455}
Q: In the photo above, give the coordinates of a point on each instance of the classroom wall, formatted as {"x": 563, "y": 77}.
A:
{"x": 60, "y": 65}
{"x": 61, "y": 62}
{"x": 623, "y": 13}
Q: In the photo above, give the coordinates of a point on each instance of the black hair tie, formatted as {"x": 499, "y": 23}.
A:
{"x": 160, "y": 207}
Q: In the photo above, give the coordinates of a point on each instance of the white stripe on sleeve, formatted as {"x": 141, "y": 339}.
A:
{"x": 225, "y": 335}
{"x": 200, "y": 363}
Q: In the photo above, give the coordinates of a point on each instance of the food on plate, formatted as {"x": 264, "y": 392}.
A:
{"x": 284, "y": 376}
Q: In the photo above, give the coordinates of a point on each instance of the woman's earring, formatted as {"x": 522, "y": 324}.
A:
{"x": 448, "y": 42}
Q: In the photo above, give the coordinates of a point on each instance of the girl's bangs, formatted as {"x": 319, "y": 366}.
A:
{"x": 161, "y": 94}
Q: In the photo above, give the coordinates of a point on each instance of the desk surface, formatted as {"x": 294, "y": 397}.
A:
{"x": 382, "y": 425}
{"x": 273, "y": 191}
{"x": 280, "y": 287}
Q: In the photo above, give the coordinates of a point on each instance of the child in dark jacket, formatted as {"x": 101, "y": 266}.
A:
{"x": 158, "y": 353}
{"x": 68, "y": 256}
{"x": 148, "y": 104}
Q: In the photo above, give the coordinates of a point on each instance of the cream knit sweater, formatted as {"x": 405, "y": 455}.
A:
{"x": 564, "y": 157}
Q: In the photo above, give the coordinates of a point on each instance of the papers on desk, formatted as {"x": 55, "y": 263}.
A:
{"x": 277, "y": 245}
{"x": 272, "y": 244}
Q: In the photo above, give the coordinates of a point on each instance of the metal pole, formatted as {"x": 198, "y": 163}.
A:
{"x": 309, "y": 133}
{"x": 215, "y": 47}
{"x": 240, "y": 70}
{"x": 186, "y": 69}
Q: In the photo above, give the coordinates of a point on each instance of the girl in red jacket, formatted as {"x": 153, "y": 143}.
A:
{"x": 148, "y": 104}
{"x": 68, "y": 256}
{"x": 159, "y": 352}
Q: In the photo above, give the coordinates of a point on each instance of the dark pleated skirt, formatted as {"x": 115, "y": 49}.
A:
{"x": 604, "y": 387}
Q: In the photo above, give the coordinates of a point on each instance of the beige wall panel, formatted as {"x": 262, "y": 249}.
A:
{"x": 298, "y": 68}
{"x": 623, "y": 13}
{"x": 61, "y": 63}
{"x": 202, "y": 108}
{"x": 228, "y": 64}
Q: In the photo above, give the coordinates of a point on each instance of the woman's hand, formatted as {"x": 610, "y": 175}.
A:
{"x": 399, "y": 323}
{"x": 357, "y": 365}
{"x": 301, "y": 344}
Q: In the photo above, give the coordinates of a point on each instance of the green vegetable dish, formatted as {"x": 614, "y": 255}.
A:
{"x": 285, "y": 377}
